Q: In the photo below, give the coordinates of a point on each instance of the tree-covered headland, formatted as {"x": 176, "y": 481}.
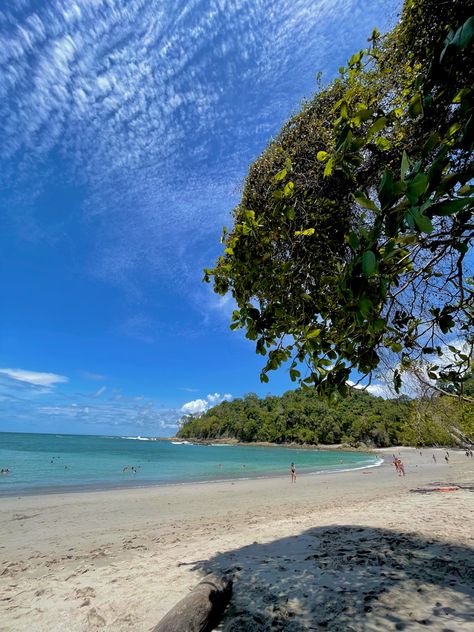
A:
{"x": 350, "y": 246}
{"x": 302, "y": 417}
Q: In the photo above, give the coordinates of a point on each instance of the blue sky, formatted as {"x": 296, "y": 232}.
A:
{"x": 127, "y": 129}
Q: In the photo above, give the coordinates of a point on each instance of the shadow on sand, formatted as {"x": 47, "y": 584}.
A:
{"x": 348, "y": 579}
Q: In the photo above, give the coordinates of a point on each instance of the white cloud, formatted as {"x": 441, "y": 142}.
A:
{"x": 36, "y": 378}
{"x": 377, "y": 389}
{"x": 381, "y": 390}
{"x": 199, "y": 406}
{"x": 355, "y": 385}
{"x": 195, "y": 406}
{"x": 213, "y": 398}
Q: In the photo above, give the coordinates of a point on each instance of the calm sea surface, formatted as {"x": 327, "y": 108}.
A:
{"x": 43, "y": 463}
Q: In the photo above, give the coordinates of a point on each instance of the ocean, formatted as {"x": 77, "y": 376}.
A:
{"x": 47, "y": 463}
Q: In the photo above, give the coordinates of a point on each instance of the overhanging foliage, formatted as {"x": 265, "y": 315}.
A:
{"x": 352, "y": 236}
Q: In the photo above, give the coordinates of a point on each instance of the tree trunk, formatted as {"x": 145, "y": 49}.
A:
{"x": 201, "y": 610}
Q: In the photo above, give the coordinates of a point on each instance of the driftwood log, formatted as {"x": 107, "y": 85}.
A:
{"x": 201, "y": 610}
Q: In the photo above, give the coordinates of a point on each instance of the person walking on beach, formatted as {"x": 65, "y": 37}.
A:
{"x": 293, "y": 473}
{"x": 401, "y": 468}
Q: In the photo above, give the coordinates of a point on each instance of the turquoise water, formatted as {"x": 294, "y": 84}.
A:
{"x": 42, "y": 463}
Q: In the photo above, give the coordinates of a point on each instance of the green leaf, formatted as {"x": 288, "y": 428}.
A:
{"x": 386, "y": 192}
{"x": 294, "y": 375}
{"x": 450, "y": 207}
{"x": 423, "y": 223}
{"x": 328, "y": 168}
{"x": 281, "y": 175}
{"x": 322, "y": 156}
{"x": 369, "y": 263}
{"x": 379, "y": 124}
{"x": 229, "y": 251}
{"x": 264, "y": 378}
{"x": 382, "y": 143}
{"x": 431, "y": 143}
{"x": 464, "y": 34}
{"x": 416, "y": 105}
{"x": 314, "y": 333}
{"x": 361, "y": 116}
{"x": 365, "y": 305}
{"x": 355, "y": 59}
{"x": 290, "y": 213}
{"x": 324, "y": 362}
{"x": 307, "y": 233}
{"x": 288, "y": 190}
{"x": 404, "y": 166}
{"x": 379, "y": 325}
{"x": 353, "y": 241}
{"x": 460, "y": 95}
{"x": 364, "y": 201}
{"x": 418, "y": 185}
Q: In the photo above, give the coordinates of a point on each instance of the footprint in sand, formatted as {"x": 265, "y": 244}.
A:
{"x": 94, "y": 619}
{"x": 84, "y": 593}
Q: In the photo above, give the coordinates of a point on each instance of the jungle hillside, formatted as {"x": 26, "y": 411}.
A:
{"x": 360, "y": 419}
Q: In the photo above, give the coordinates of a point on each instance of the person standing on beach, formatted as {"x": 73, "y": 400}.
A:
{"x": 293, "y": 473}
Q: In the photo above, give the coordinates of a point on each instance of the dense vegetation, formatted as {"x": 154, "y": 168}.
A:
{"x": 350, "y": 243}
{"x": 301, "y": 417}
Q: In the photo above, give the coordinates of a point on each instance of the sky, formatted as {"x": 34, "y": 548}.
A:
{"x": 128, "y": 127}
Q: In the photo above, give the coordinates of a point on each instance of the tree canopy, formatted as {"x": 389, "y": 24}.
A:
{"x": 350, "y": 244}
{"x": 300, "y": 416}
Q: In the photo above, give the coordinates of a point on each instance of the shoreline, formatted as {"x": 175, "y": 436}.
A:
{"x": 344, "y": 447}
{"x": 129, "y": 485}
{"x": 312, "y": 553}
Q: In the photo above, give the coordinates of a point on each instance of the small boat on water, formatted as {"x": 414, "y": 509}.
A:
{"x": 181, "y": 443}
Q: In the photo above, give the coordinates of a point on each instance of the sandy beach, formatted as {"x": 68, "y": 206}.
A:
{"x": 364, "y": 550}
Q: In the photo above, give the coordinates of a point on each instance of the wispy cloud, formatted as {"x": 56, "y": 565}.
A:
{"x": 94, "y": 377}
{"x": 40, "y": 404}
{"x": 140, "y": 327}
{"x": 35, "y": 378}
{"x": 155, "y": 108}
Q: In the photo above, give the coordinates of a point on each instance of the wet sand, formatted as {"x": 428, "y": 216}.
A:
{"x": 363, "y": 550}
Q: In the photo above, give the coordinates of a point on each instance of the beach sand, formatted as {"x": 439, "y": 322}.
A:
{"x": 358, "y": 550}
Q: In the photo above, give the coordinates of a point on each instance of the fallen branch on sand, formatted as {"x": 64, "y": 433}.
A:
{"x": 201, "y": 610}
